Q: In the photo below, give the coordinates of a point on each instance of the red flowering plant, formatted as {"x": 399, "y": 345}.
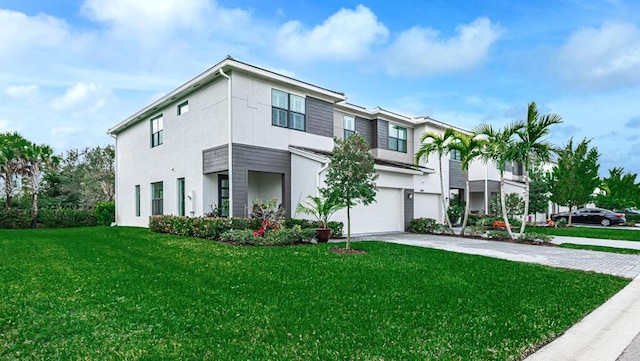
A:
{"x": 265, "y": 226}
{"x": 499, "y": 224}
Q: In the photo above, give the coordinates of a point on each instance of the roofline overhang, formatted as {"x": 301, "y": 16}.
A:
{"x": 228, "y": 65}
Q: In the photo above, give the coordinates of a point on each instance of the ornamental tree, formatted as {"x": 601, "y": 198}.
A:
{"x": 351, "y": 178}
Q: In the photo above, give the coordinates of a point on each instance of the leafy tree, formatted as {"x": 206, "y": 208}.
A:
{"x": 532, "y": 146}
{"x": 433, "y": 142}
{"x": 539, "y": 190}
{"x": 12, "y": 148}
{"x": 470, "y": 148}
{"x": 513, "y": 202}
{"x": 36, "y": 160}
{"x": 500, "y": 149}
{"x": 575, "y": 177}
{"x": 619, "y": 190}
{"x": 351, "y": 177}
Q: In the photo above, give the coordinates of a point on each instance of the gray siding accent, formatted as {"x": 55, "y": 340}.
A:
{"x": 251, "y": 158}
{"x": 478, "y": 186}
{"x": 456, "y": 177}
{"x": 408, "y": 207}
{"x": 382, "y": 134}
{"x": 215, "y": 159}
{"x": 365, "y": 128}
{"x": 319, "y": 117}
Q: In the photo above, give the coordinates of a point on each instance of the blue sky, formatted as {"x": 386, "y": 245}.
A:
{"x": 69, "y": 70}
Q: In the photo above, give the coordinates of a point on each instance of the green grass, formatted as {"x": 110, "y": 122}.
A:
{"x": 590, "y": 232}
{"x": 126, "y": 293}
{"x": 600, "y": 248}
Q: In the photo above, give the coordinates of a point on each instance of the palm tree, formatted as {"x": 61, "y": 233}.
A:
{"x": 499, "y": 148}
{"x": 35, "y": 161}
{"x": 439, "y": 143}
{"x": 12, "y": 147}
{"x": 531, "y": 146}
{"x": 470, "y": 148}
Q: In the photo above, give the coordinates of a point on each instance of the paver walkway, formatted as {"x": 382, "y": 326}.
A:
{"x": 602, "y": 262}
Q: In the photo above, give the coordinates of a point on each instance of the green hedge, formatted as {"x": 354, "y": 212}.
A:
{"x": 47, "y": 218}
{"x": 105, "y": 213}
{"x": 213, "y": 228}
{"x": 632, "y": 218}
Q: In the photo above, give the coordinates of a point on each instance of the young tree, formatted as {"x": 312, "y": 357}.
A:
{"x": 433, "y": 142}
{"x": 470, "y": 148}
{"x": 538, "y": 190}
{"x": 500, "y": 149}
{"x": 12, "y": 147}
{"x": 620, "y": 190}
{"x": 575, "y": 177}
{"x": 36, "y": 160}
{"x": 532, "y": 146}
{"x": 351, "y": 177}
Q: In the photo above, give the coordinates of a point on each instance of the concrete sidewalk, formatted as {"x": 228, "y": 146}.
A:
{"x": 609, "y": 333}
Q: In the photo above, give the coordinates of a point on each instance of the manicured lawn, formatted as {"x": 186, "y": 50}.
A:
{"x": 590, "y": 232}
{"x": 600, "y": 248}
{"x": 125, "y": 293}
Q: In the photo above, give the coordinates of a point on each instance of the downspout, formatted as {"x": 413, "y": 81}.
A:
{"x": 230, "y": 149}
{"x": 115, "y": 176}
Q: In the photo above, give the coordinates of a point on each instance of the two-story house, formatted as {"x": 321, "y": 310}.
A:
{"x": 238, "y": 132}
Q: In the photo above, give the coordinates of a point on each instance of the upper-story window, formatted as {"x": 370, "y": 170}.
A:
{"x": 183, "y": 107}
{"x": 287, "y": 110}
{"x": 349, "y": 126}
{"x": 455, "y": 154}
{"x": 397, "y": 138}
{"x": 157, "y": 127}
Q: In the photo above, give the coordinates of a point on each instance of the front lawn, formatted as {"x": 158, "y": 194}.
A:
{"x": 590, "y": 232}
{"x": 126, "y": 293}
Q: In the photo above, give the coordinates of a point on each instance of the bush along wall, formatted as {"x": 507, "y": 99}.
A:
{"x": 214, "y": 228}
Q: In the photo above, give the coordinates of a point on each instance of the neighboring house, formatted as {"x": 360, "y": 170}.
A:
{"x": 237, "y": 132}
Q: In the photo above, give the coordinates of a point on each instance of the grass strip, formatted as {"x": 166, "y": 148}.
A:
{"x": 126, "y": 293}
{"x": 600, "y": 248}
{"x": 590, "y": 232}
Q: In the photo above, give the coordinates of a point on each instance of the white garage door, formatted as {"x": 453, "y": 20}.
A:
{"x": 385, "y": 215}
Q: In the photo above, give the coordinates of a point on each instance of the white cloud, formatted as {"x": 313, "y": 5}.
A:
{"x": 603, "y": 57}
{"x": 4, "y": 125}
{"x": 78, "y": 94}
{"x": 21, "y": 91}
{"x": 422, "y": 51}
{"x": 20, "y": 33}
{"x": 347, "y": 35}
{"x": 60, "y": 136}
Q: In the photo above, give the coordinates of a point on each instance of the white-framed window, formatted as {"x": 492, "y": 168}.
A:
{"x": 397, "y": 138}
{"x": 349, "y": 126}
{"x": 183, "y": 107}
{"x": 157, "y": 126}
{"x": 137, "y": 200}
{"x": 181, "y": 197}
{"x": 287, "y": 110}
{"x": 455, "y": 154}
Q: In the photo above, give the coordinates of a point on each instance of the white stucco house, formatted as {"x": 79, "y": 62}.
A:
{"x": 237, "y": 132}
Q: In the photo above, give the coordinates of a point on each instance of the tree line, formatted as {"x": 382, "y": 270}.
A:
{"x": 32, "y": 176}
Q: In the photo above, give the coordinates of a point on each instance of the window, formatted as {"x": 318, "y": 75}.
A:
{"x": 397, "y": 138}
{"x": 287, "y": 110}
{"x": 455, "y": 154}
{"x": 137, "y": 200}
{"x": 223, "y": 195}
{"x": 183, "y": 107}
{"x": 181, "y": 195}
{"x": 349, "y": 126}
{"x": 156, "y": 131}
{"x": 156, "y": 198}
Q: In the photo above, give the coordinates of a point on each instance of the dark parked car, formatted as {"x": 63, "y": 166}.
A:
{"x": 600, "y": 216}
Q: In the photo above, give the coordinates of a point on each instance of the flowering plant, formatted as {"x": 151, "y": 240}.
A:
{"x": 264, "y": 227}
{"x": 499, "y": 224}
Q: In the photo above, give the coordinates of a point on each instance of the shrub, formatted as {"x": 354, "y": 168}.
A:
{"x": 14, "y": 218}
{"x": 66, "y": 217}
{"x": 632, "y": 218}
{"x": 207, "y": 228}
{"x": 474, "y": 231}
{"x": 423, "y": 225}
{"x": 499, "y": 224}
{"x": 536, "y": 237}
{"x": 336, "y": 229}
{"x": 498, "y": 234}
{"x": 280, "y": 236}
{"x": 105, "y": 213}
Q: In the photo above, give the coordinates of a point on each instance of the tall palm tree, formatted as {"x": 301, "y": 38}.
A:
{"x": 36, "y": 160}
{"x": 470, "y": 148}
{"x": 434, "y": 142}
{"x": 12, "y": 147}
{"x": 499, "y": 148}
{"x": 532, "y": 146}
